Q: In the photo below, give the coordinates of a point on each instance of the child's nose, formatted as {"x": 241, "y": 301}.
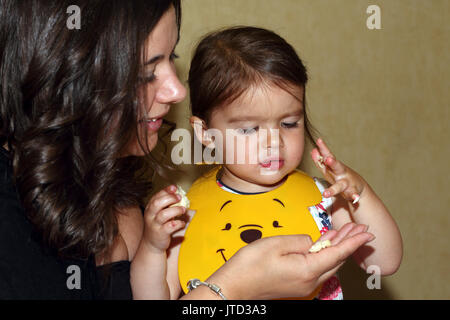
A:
{"x": 273, "y": 139}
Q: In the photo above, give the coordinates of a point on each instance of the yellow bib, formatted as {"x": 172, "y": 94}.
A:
{"x": 225, "y": 222}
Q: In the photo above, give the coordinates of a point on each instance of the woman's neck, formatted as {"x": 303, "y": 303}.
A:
{"x": 239, "y": 184}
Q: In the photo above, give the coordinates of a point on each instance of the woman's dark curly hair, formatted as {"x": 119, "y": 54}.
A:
{"x": 68, "y": 108}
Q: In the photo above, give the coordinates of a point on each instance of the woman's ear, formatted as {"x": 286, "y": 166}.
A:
{"x": 200, "y": 131}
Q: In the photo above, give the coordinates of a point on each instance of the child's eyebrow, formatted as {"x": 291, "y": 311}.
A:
{"x": 298, "y": 112}
{"x": 243, "y": 119}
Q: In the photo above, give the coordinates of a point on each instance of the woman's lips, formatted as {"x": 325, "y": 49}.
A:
{"x": 154, "y": 125}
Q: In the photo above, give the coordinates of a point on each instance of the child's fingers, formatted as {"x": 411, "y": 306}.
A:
{"x": 335, "y": 189}
{"x": 335, "y": 165}
{"x": 318, "y": 160}
{"x": 156, "y": 204}
{"x": 323, "y": 148}
{"x": 164, "y": 192}
{"x": 167, "y": 214}
{"x": 173, "y": 225}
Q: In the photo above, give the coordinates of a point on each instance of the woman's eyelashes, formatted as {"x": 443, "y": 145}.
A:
{"x": 152, "y": 76}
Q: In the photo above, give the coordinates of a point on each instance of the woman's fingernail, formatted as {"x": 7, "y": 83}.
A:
{"x": 355, "y": 198}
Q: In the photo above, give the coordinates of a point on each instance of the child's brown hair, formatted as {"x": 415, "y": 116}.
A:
{"x": 228, "y": 62}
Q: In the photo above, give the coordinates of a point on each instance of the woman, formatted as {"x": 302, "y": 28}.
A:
{"x": 78, "y": 110}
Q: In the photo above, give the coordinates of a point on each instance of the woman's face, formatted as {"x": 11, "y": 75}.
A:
{"x": 162, "y": 86}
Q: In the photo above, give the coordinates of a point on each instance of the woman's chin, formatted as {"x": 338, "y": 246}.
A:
{"x": 135, "y": 149}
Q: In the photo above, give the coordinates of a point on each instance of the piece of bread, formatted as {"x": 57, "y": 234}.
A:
{"x": 184, "y": 202}
{"x": 319, "y": 245}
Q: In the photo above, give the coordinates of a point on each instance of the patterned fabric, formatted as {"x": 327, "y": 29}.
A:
{"x": 331, "y": 289}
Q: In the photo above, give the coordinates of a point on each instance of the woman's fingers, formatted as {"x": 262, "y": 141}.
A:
{"x": 287, "y": 244}
{"x": 326, "y": 262}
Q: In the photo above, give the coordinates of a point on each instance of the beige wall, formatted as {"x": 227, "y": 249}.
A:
{"x": 380, "y": 98}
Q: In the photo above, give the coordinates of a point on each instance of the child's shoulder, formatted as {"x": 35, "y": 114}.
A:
{"x": 206, "y": 180}
{"x": 321, "y": 183}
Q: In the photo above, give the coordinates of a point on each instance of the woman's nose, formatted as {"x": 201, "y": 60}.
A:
{"x": 171, "y": 91}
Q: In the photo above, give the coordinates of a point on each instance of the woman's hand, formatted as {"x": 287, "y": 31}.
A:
{"x": 343, "y": 180}
{"x": 281, "y": 266}
{"x": 159, "y": 217}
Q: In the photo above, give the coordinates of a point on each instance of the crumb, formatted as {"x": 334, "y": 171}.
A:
{"x": 319, "y": 245}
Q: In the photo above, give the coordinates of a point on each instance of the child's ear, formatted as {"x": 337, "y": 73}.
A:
{"x": 200, "y": 131}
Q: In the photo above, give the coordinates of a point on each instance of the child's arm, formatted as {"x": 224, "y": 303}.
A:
{"x": 149, "y": 268}
{"x": 386, "y": 250}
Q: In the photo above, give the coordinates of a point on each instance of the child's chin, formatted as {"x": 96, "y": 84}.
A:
{"x": 271, "y": 177}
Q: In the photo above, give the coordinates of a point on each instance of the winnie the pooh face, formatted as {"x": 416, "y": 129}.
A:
{"x": 237, "y": 230}
{"x": 225, "y": 222}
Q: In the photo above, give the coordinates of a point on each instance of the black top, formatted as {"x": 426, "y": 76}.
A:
{"x": 29, "y": 271}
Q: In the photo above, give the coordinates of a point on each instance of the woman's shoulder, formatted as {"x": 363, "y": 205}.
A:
{"x": 131, "y": 227}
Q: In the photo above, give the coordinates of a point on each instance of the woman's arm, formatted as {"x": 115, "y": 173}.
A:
{"x": 289, "y": 270}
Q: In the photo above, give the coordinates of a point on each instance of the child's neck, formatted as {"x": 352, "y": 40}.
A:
{"x": 235, "y": 182}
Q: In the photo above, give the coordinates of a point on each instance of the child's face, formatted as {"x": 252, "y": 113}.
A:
{"x": 276, "y": 117}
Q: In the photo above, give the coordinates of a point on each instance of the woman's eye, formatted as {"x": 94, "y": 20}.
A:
{"x": 147, "y": 79}
{"x": 173, "y": 56}
{"x": 276, "y": 224}
{"x": 227, "y": 227}
{"x": 289, "y": 125}
{"x": 247, "y": 131}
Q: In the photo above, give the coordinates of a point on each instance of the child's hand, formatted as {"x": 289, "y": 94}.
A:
{"x": 159, "y": 218}
{"x": 343, "y": 180}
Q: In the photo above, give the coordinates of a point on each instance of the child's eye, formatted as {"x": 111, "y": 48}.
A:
{"x": 247, "y": 131}
{"x": 289, "y": 125}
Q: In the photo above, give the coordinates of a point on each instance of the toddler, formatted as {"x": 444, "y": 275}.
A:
{"x": 249, "y": 84}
